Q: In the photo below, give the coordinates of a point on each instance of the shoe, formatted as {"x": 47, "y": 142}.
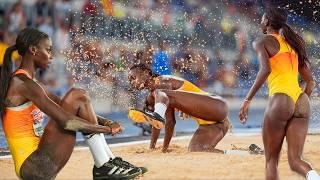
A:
{"x": 120, "y": 162}
{"x": 254, "y": 149}
{"x": 143, "y": 169}
{"x": 152, "y": 118}
{"x": 113, "y": 172}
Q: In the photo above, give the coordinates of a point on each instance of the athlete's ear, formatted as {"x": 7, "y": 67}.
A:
{"x": 33, "y": 50}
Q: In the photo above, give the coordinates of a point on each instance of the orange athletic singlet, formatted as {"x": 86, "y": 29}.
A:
{"x": 284, "y": 71}
{"x": 22, "y": 126}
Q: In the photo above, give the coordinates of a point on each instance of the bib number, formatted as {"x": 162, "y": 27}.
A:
{"x": 37, "y": 122}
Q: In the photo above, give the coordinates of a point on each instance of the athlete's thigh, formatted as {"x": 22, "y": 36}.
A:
{"x": 39, "y": 166}
{"x": 211, "y": 108}
{"x": 55, "y": 147}
{"x": 278, "y": 112}
{"x": 297, "y": 128}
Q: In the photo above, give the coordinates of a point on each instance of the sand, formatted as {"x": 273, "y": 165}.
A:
{"x": 181, "y": 164}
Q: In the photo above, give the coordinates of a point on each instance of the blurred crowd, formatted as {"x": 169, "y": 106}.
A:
{"x": 206, "y": 42}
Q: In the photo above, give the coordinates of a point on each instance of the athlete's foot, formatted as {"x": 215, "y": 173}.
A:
{"x": 152, "y": 118}
{"x": 111, "y": 171}
{"x": 118, "y": 161}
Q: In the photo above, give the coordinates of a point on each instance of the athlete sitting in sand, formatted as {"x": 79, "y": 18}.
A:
{"x": 23, "y": 101}
{"x": 170, "y": 93}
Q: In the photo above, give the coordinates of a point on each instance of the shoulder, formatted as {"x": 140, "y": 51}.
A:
{"x": 263, "y": 41}
{"x": 24, "y": 84}
{"x": 19, "y": 80}
{"x": 171, "y": 82}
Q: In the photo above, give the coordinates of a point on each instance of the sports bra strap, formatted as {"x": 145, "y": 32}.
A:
{"x": 21, "y": 71}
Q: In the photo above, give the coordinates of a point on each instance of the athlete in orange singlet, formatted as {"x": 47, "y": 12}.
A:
{"x": 283, "y": 57}
{"x": 41, "y": 153}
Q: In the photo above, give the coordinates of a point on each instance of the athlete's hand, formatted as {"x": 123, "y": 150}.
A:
{"x": 243, "y": 114}
{"x": 115, "y": 128}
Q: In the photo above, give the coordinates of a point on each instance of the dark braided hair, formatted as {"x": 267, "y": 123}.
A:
{"x": 26, "y": 38}
{"x": 277, "y": 18}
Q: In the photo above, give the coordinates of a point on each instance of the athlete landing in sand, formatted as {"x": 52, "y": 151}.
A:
{"x": 169, "y": 93}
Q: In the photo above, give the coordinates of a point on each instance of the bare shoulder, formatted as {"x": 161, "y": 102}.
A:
{"x": 263, "y": 41}
{"x": 19, "y": 87}
{"x": 28, "y": 86}
{"x": 16, "y": 82}
{"x": 170, "y": 82}
{"x": 267, "y": 43}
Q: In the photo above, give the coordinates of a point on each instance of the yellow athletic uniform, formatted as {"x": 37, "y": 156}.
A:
{"x": 284, "y": 71}
{"x": 22, "y": 128}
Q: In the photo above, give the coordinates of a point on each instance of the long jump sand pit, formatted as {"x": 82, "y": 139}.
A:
{"x": 181, "y": 164}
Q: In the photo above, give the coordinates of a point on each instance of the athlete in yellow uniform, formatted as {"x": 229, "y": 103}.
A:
{"x": 283, "y": 57}
{"x": 284, "y": 71}
{"x": 170, "y": 93}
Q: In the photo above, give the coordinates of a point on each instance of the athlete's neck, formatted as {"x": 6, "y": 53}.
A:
{"x": 28, "y": 65}
{"x": 272, "y": 31}
{"x": 151, "y": 83}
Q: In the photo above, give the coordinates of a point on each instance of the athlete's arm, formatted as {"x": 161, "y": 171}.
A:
{"x": 107, "y": 122}
{"x": 104, "y": 121}
{"x": 53, "y": 97}
{"x": 264, "y": 71}
{"x": 169, "y": 128}
{"x": 35, "y": 93}
{"x": 264, "y": 67}
{"x": 154, "y": 137}
{"x": 101, "y": 120}
{"x": 306, "y": 75}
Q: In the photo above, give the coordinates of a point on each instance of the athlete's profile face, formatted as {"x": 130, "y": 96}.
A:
{"x": 264, "y": 23}
{"x": 43, "y": 53}
{"x": 137, "y": 78}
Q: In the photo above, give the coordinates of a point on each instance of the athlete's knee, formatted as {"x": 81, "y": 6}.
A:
{"x": 78, "y": 94}
{"x": 159, "y": 93}
{"x": 271, "y": 157}
{"x": 294, "y": 162}
{"x": 161, "y": 96}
